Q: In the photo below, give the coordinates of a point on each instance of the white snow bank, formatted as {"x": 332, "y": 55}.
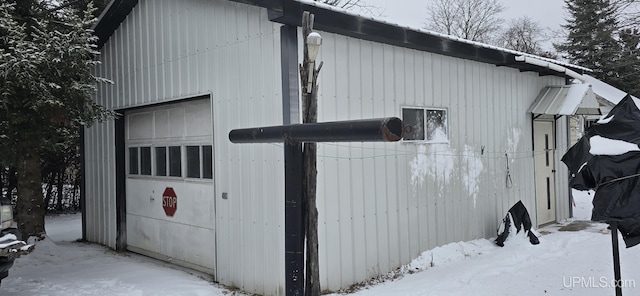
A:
{"x": 605, "y": 146}
{"x": 450, "y": 253}
{"x": 562, "y": 264}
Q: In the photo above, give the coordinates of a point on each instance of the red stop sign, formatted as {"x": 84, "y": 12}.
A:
{"x": 169, "y": 201}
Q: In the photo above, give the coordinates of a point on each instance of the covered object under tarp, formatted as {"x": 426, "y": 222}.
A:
{"x": 607, "y": 159}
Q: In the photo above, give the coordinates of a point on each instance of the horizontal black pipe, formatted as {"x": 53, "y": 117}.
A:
{"x": 366, "y": 130}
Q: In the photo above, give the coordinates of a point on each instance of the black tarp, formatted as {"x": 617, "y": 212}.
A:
{"x": 615, "y": 178}
{"x": 517, "y": 216}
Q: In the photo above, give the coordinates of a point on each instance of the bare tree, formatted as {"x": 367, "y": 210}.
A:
{"x": 523, "y": 34}
{"x": 346, "y": 4}
{"x": 358, "y": 5}
{"x": 627, "y": 13}
{"x": 474, "y": 20}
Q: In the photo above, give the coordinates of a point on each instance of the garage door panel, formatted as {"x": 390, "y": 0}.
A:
{"x": 169, "y": 240}
{"x": 161, "y": 124}
{"x": 176, "y": 123}
{"x": 195, "y": 201}
{"x": 198, "y": 119}
{"x": 140, "y": 126}
{"x": 181, "y": 227}
{"x": 146, "y": 235}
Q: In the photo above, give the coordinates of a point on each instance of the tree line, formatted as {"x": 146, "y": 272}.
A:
{"x": 602, "y": 35}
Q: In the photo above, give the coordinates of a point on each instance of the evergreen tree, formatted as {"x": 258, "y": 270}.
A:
{"x": 628, "y": 65}
{"x": 81, "y": 5}
{"x": 46, "y": 59}
{"x": 592, "y": 40}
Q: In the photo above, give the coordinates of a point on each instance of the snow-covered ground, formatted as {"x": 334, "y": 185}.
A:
{"x": 61, "y": 266}
{"x": 564, "y": 263}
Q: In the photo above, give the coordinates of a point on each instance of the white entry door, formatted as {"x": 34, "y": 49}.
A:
{"x": 544, "y": 151}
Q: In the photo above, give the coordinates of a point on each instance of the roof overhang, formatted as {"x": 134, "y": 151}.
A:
{"x": 556, "y": 101}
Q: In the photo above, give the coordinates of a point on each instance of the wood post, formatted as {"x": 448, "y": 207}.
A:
{"x": 310, "y": 115}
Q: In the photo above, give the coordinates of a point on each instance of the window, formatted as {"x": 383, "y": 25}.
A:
{"x": 425, "y": 124}
{"x": 199, "y": 162}
{"x": 207, "y": 162}
{"x": 167, "y": 161}
{"x": 414, "y": 124}
{"x": 437, "y": 125}
{"x": 145, "y": 161}
{"x": 193, "y": 161}
{"x": 140, "y": 161}
{"x": 161, "y": 161}
{"x": 133, "y": 160}
{"x": 175, "y": 161}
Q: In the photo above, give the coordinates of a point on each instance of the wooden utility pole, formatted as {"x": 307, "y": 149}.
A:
{"x": 310, "y": 115}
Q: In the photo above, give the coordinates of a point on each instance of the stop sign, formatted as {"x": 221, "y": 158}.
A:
{"x": 169, "y": 201}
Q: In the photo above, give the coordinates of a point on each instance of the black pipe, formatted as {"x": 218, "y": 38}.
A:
{"x": 388, "y": 129}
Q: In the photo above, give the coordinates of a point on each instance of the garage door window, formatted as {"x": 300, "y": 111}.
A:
{"x": 199, "y": 162}
{"x": 140, "y": 161}
{"x": 207, "y": 162}
{"x": 175, "y": 161}
{"x": 145, "y": 161}
{"x": 161, "y": 161}
{"x": 193, "y": 161}
{"x": 133, "y": 160}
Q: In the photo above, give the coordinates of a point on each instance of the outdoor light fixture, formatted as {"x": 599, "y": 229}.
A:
{"x": 314, "y": 40}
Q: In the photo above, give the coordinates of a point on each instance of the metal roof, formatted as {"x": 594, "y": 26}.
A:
{"x": 575, "y": 99}
{"x": 335, "y": 20}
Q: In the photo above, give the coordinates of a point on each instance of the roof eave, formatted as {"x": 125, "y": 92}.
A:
{"x": 111, "y": 18}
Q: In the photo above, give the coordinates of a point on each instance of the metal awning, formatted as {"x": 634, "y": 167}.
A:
{"x": 575, "y": 99}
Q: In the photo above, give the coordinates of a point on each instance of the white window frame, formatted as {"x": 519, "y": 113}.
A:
{"x": 424, "y": 124}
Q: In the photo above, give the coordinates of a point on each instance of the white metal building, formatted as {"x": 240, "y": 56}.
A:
{"x": 187, "y": 72}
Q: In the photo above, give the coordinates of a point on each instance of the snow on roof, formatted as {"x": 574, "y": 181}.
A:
{"x": 605, "y": 90}
{"x": 480, "y": 44}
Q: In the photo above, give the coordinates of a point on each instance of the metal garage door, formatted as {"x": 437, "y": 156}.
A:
{"x": 170, "y": 203}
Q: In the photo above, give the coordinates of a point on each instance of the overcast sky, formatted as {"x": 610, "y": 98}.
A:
{"x": 548, "y": 13}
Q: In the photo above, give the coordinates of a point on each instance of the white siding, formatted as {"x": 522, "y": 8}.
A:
{"x": 171, "y": 50}
{"x": 100, "y": 184}
{"x": 381, "y": 205}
